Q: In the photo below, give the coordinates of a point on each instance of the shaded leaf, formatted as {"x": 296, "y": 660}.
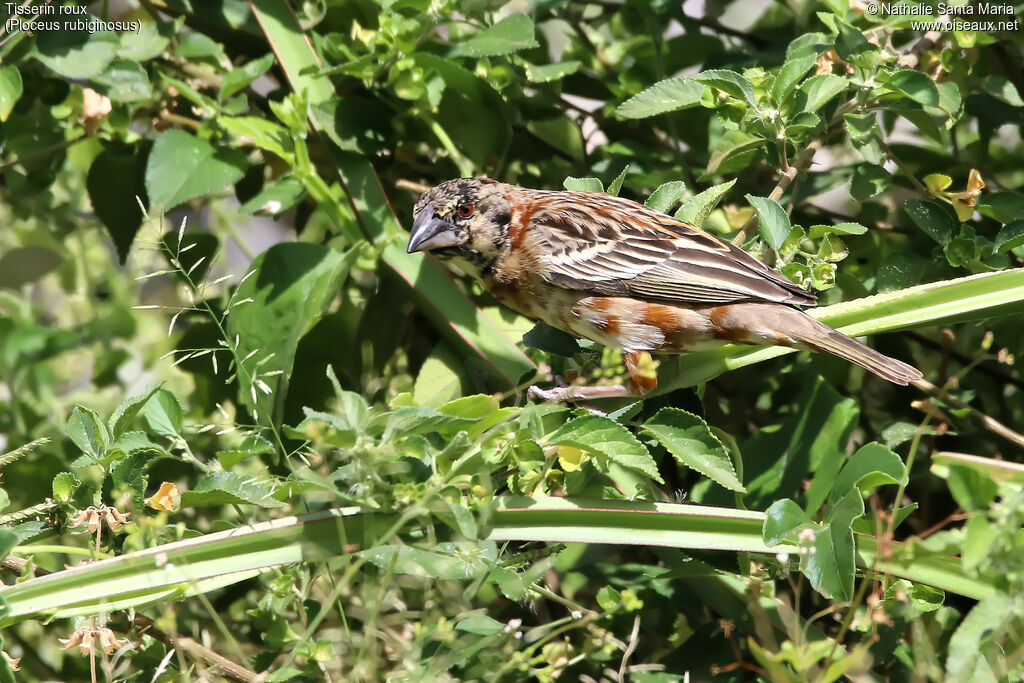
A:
{"x": 690, "y": 441}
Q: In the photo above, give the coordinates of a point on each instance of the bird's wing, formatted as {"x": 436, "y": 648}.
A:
{"x": 615, "y": 247}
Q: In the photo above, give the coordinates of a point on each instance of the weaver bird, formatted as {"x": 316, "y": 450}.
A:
{"x": 623, "y": 275}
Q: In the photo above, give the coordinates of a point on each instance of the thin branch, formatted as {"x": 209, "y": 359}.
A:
{"x": 634, "y": 640}
{"x": 800, "y": 165}
{"x": 987, "y": 422}
{"x": 903, "y": 169}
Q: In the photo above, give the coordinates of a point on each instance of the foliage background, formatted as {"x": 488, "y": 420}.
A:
{"x": 150, "y": 335}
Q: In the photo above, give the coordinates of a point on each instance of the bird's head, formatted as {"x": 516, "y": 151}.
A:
{"x": 465, "y": 220}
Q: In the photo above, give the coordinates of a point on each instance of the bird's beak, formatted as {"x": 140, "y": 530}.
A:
{"x": 430, "y": 232}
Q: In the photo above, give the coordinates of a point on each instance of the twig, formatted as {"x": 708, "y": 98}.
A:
{"x": 411, "y": 186}
{"x": 630, "y": 648}
{"x": 715, "y": 26}
{"x": 44, "y": 152}
{"x": 987, "y": 422}
{"x": 588, "y": 43}
{"x": 903, "y": 169}
{"x": 800, "y": 165}
{"x": 912, "y": 59}
{"x": 985, "y": 369}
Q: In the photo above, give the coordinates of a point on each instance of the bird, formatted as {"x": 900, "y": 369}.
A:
{"x": 621, "y": 274}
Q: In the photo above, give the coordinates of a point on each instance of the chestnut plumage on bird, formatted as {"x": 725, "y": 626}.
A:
{"x": 621, "y": 274}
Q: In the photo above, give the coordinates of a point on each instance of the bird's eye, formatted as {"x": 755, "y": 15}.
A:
{"x": 466, "y": 210}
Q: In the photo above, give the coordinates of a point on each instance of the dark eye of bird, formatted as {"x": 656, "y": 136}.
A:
{"x": 466, "y": 210}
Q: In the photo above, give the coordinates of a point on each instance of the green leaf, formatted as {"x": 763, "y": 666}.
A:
{"x": 873, "y": 465}
{"x": 124, "y": 81}
{"x": 182, "y": 167}
{"x": 440, "y": 378}
{"x": 230, "y": 488}
{"x": 730, "y": 83}
{"x": 690, "y": 441}
{"x": 809, "y": 44}
{"x": 22, "y": 265}
{"x": 932, "y": 218}
{"x": 972, "y": 490}
{"x": 818, "y": 231}
{"x": 915, "y": 85}
{"x": 114, "y": 181}
{"x": 1005, "y": 207}
{"x": 480, "y": 624}
{"x": 783, "y": 521}
{"x": 122, "y": 417}
{"x": 164, "y": 413}
{"x": 64, "y": 486}
{"x": 616, "y": 185}
{"x": 252, "y": 445}
{"x": 583, "y": 184}
{"x": 862, "y": 128}
{"x": 869, "y": 181}
{"x": 979, "y": 535}
{"x": 10, "y": 90}
{"x": 604, "y": 437}
{"x": 281, "y": 195}
{"x": 966, "y": 660}
{"x": 446, "y": 560}
{"x": 773, "y": 223}
{"x": 550, "y": 72}
{"x": 561, "y": 132}
{"x": 241, "y": 76}
{"x": 819, "y": 90}
{"x": 666, "y": 196}
{"x": 831, "y": 567}
{"x": 551, "y": 339}
{"x": 900, "y": 269}
{"x": 511, "y": 34}
{"x": 87, "y": 431}
{"x": 731, "y": 146}
{"x": 850, "y": 41}
{"x": 695, "y": 210}
{"x": 789, "y": 75}
{"x": 813, "y": 440}
{"x": 149, "y": 42}
{"x": 664, "y": 96}
{"x": 290, "y": 289}
{"x": 77, "y": 55}
{"x": 1010, "y": 236}
{"x": 1003, "y": 89}
{"x": 421, "y": 420}
{"x": 265, "y": 134}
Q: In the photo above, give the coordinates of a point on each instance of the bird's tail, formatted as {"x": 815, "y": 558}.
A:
{"x": 836, "y": 343}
